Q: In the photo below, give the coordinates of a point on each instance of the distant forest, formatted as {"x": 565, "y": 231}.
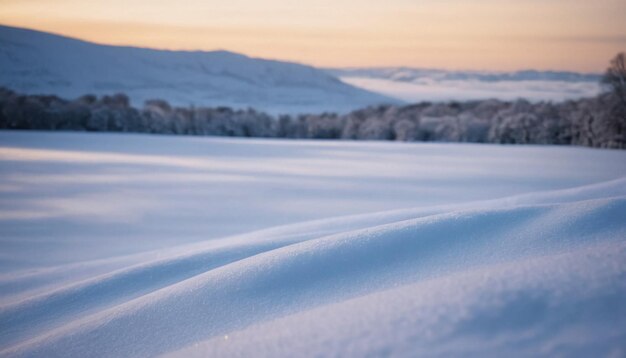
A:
{"x": 593, "y": 122}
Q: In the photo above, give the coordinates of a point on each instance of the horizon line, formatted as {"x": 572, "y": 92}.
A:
{"x": 252, "y": 56}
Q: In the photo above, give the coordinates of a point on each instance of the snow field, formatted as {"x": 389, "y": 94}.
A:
{"x": 130, "y": 245}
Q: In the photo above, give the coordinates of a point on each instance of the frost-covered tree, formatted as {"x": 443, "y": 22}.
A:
{"x": 615, "y": 77}
{"x": 596, "y": 122}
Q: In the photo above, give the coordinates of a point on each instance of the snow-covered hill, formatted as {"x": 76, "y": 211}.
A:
{"x": 415, "y": 84}
{"x": 129, "y": 245}
{"x": 40, "y": 63}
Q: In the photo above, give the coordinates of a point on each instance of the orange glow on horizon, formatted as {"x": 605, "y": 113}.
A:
{"x": 482, "y": 35}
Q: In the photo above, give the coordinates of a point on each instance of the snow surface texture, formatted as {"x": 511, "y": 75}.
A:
{"x": 417, "y": 85}
{"x": 128, "y": 245}
{"x": 35, "y": 62}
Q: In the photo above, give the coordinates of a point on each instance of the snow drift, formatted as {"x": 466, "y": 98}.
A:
{"x": 380, "y": 249}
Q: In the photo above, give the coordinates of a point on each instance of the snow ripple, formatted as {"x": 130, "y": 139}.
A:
{"x": 534, "y": 264}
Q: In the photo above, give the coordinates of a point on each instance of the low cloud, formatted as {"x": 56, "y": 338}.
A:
{"x": 437, "y": 89}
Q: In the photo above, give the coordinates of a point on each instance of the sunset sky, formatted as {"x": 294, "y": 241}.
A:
{"x": 580, "y": 35}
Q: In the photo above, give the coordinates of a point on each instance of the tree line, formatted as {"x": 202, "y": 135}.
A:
{"x": 596, "y": 122}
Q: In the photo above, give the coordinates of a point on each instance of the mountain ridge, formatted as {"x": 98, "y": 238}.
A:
{"x": 413, "y": 74}
{"x": 39, "y": 62}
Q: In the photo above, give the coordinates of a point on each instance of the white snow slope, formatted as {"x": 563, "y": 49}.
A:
{"x": 41, "y": 63}
{"x": 121, "y": 245}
